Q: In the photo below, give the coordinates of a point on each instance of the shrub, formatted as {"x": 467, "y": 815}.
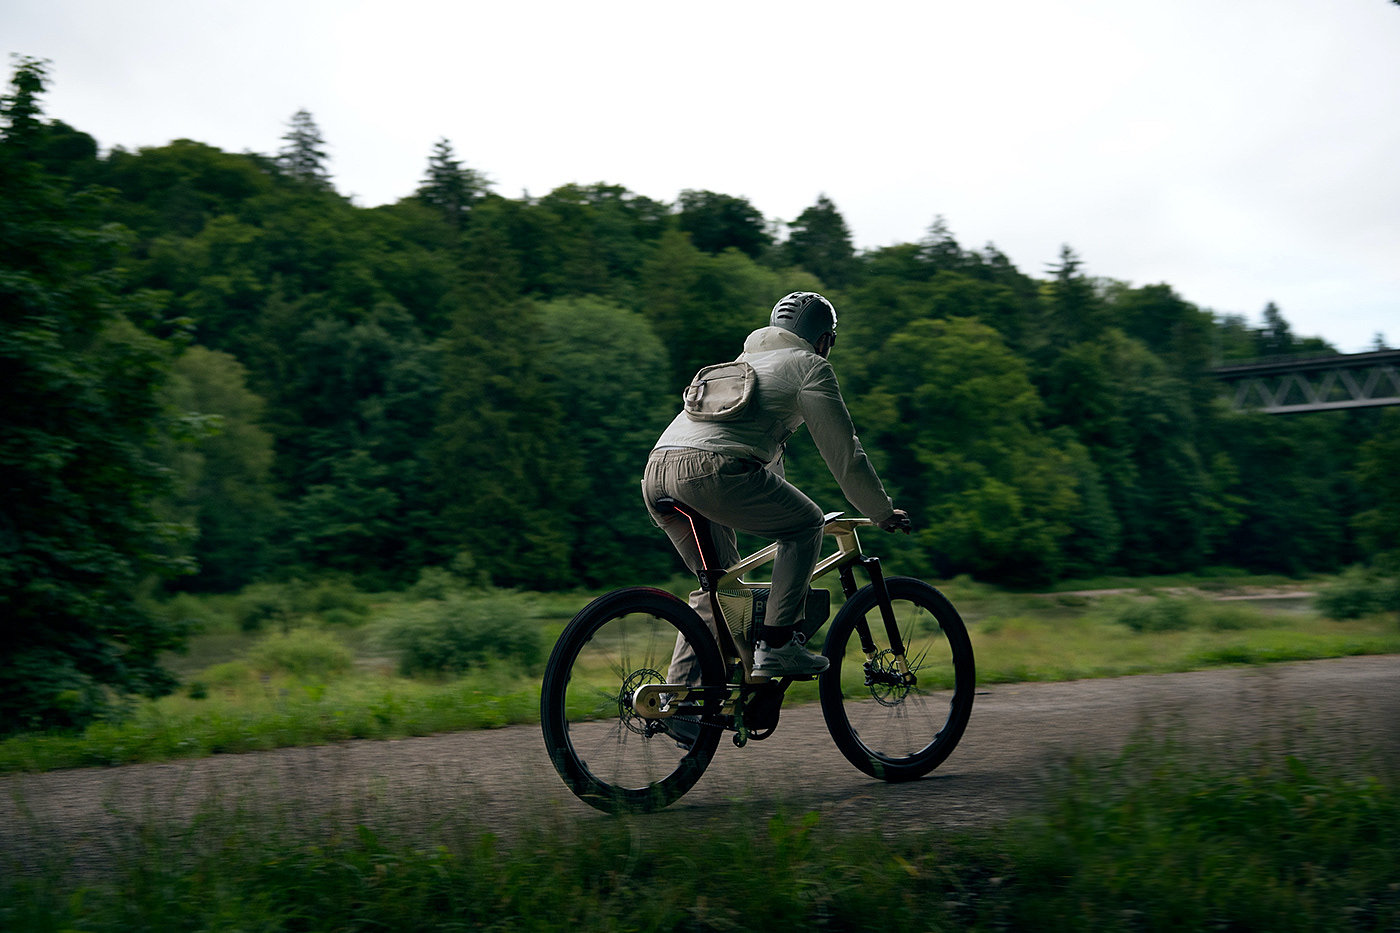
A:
{"x": 1359, "y": 592}
{"x": 196, "y": 613}
{"x": 227, "y": 675}
{"x": 463, "y": 631}
{"x": 1162, "y": 615}
{"x": 435, "y": 583}
{"x": 1179, "y": 615}
{"x": 301, "y": 653}
{"x": 260, "y": 603}
{"x": 333, "y": 599}
{"x": 1230, "y": 617}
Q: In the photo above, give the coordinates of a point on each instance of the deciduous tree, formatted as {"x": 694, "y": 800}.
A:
{"x": 717, "y": 222}
{"x": 81, "y": 423}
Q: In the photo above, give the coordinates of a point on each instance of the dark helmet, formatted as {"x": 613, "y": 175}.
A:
{"x": 806, "y": 314}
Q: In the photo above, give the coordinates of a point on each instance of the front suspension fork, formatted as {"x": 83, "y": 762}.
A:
{"x": 867, "y": 642}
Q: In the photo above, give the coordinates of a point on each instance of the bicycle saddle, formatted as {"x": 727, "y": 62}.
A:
{"x": 699, "y": 529}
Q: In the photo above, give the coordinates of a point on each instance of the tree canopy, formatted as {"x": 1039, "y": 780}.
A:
{"x": 214, "y": 362}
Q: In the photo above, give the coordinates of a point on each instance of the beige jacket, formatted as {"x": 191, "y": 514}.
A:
{"x": 795, "y": 386}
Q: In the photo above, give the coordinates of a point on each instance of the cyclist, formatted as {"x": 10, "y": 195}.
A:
{"x": 732, "y": 473}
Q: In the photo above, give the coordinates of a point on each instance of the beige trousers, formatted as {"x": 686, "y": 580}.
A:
{"x": 735, "y": 494}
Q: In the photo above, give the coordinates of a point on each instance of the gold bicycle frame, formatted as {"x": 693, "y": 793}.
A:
{"x": 659, "y": 701}
{"x": 847, "y": 550}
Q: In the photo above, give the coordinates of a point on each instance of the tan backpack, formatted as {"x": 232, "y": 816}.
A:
{"x": 720, "y": 392}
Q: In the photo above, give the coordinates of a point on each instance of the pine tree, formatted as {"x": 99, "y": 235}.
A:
{"x": 449, "y": 186}
{"x": 1074, "y": 311}
{"x": 820, "y": 242}
{"x": 1275, "y": 338}
{"x": 304, "y": 155}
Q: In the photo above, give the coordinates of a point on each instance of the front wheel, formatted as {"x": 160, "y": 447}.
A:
{"x": 889, "y": 724}
{"x": 610, "y": 756}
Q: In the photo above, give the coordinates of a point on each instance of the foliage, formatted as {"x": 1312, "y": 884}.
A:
{"x": 290, "y": 604}
{"x": 820, "y": 242}
{"x": 83, "y": 422}
{"x": 1179, "y": 615}
{"x": 449, "y": 187}
{"x": 1155, "y": 839}
{"x": 304, "y": 155}
{"x": 225, "y": 475}
{"x": 302, "y": 652}
{"x": 957, "y": 409}
{"x": 1360, "y": 592}
{"x": 606, "y": 367}
{"x": 232, "y": 702}
{"x": 505, "y": 468}
{"x": 374, "y": 391}
{"x": 717, "y": 222}
{"x": 230, "y": 708}
{"x": 1378, "y": 477}
{"x": 1165, "y": 839}
{"x": 462, "y": 632}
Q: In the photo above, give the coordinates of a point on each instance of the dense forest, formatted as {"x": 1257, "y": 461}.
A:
{"x": 218, "y": 370}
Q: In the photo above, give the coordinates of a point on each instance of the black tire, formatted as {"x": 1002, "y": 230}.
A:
{"x": 609, "y": 756}
{"x": 889, "y": 731}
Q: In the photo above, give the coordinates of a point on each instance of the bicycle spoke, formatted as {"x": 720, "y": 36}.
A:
{"x": 611, "y": 755}
{"x": 882, "y": 723}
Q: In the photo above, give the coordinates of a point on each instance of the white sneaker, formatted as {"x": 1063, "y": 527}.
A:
{"x": 791, "y": 660}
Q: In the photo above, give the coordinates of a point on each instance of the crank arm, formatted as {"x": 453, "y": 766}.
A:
{"x": 662, "y": 701}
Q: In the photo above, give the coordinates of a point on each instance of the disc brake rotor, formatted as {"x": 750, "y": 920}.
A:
{"x": 886, "y": 688}
{"x": 625, "y": 713}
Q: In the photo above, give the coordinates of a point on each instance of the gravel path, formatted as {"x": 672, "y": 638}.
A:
{"x": 502, "y": 780}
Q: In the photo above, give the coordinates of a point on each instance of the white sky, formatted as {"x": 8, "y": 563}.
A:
{"x": 1242, "y": 151}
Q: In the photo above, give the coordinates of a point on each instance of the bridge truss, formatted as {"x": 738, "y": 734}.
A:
{"x": 1328, "y": 383}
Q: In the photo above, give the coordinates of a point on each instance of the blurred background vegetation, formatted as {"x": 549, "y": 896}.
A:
{"x": 223, "y": 378}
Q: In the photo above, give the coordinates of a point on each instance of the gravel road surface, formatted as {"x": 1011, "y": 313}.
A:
{"x": 502, "y": 779}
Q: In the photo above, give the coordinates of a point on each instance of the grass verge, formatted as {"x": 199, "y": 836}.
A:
{"x": 1159, "y": 838}
{"x": 316, "y": 682}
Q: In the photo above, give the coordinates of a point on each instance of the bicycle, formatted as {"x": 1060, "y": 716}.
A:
{"x": 896, "y": 697}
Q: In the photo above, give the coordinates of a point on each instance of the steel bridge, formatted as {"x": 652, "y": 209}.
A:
{"x": 1285, "y": 385}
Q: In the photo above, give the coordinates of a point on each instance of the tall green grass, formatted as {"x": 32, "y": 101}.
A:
{"x": 1061, "y": 638}
{"x": 326, "y": 663}
{"x": 1159, "y": 838}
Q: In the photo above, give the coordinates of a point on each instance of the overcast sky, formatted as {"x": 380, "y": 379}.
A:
{"x": 1242, "y": 151}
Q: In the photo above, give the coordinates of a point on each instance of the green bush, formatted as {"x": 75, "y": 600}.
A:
{"x": 261, "y": 603}
{"x": 1162, "y": 615}
{"x": 435, "y": 583}
{"x": 334, "y": 599}
{"x": 197, "y": 613}
{"x": 301, "y": 653}
{"x": 1180, "y": 615}
{"x": 227, "y": 674}
{"x": 465, "y": 631}
{"x": 1359, "y": 592}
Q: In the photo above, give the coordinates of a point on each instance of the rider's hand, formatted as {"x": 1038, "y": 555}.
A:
{"x": 899, "y": 521}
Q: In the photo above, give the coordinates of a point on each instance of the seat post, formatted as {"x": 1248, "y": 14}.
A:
{"x": 711, "y": 571}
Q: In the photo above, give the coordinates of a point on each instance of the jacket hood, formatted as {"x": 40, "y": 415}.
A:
{"x": 775, "y": 338}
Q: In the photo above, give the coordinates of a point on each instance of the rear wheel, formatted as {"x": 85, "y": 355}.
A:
{"x": 890, "y": 726}
{"x": 609, "y": 755}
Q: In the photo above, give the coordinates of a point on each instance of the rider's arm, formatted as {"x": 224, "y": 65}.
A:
{"x": 829, "y": 423}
